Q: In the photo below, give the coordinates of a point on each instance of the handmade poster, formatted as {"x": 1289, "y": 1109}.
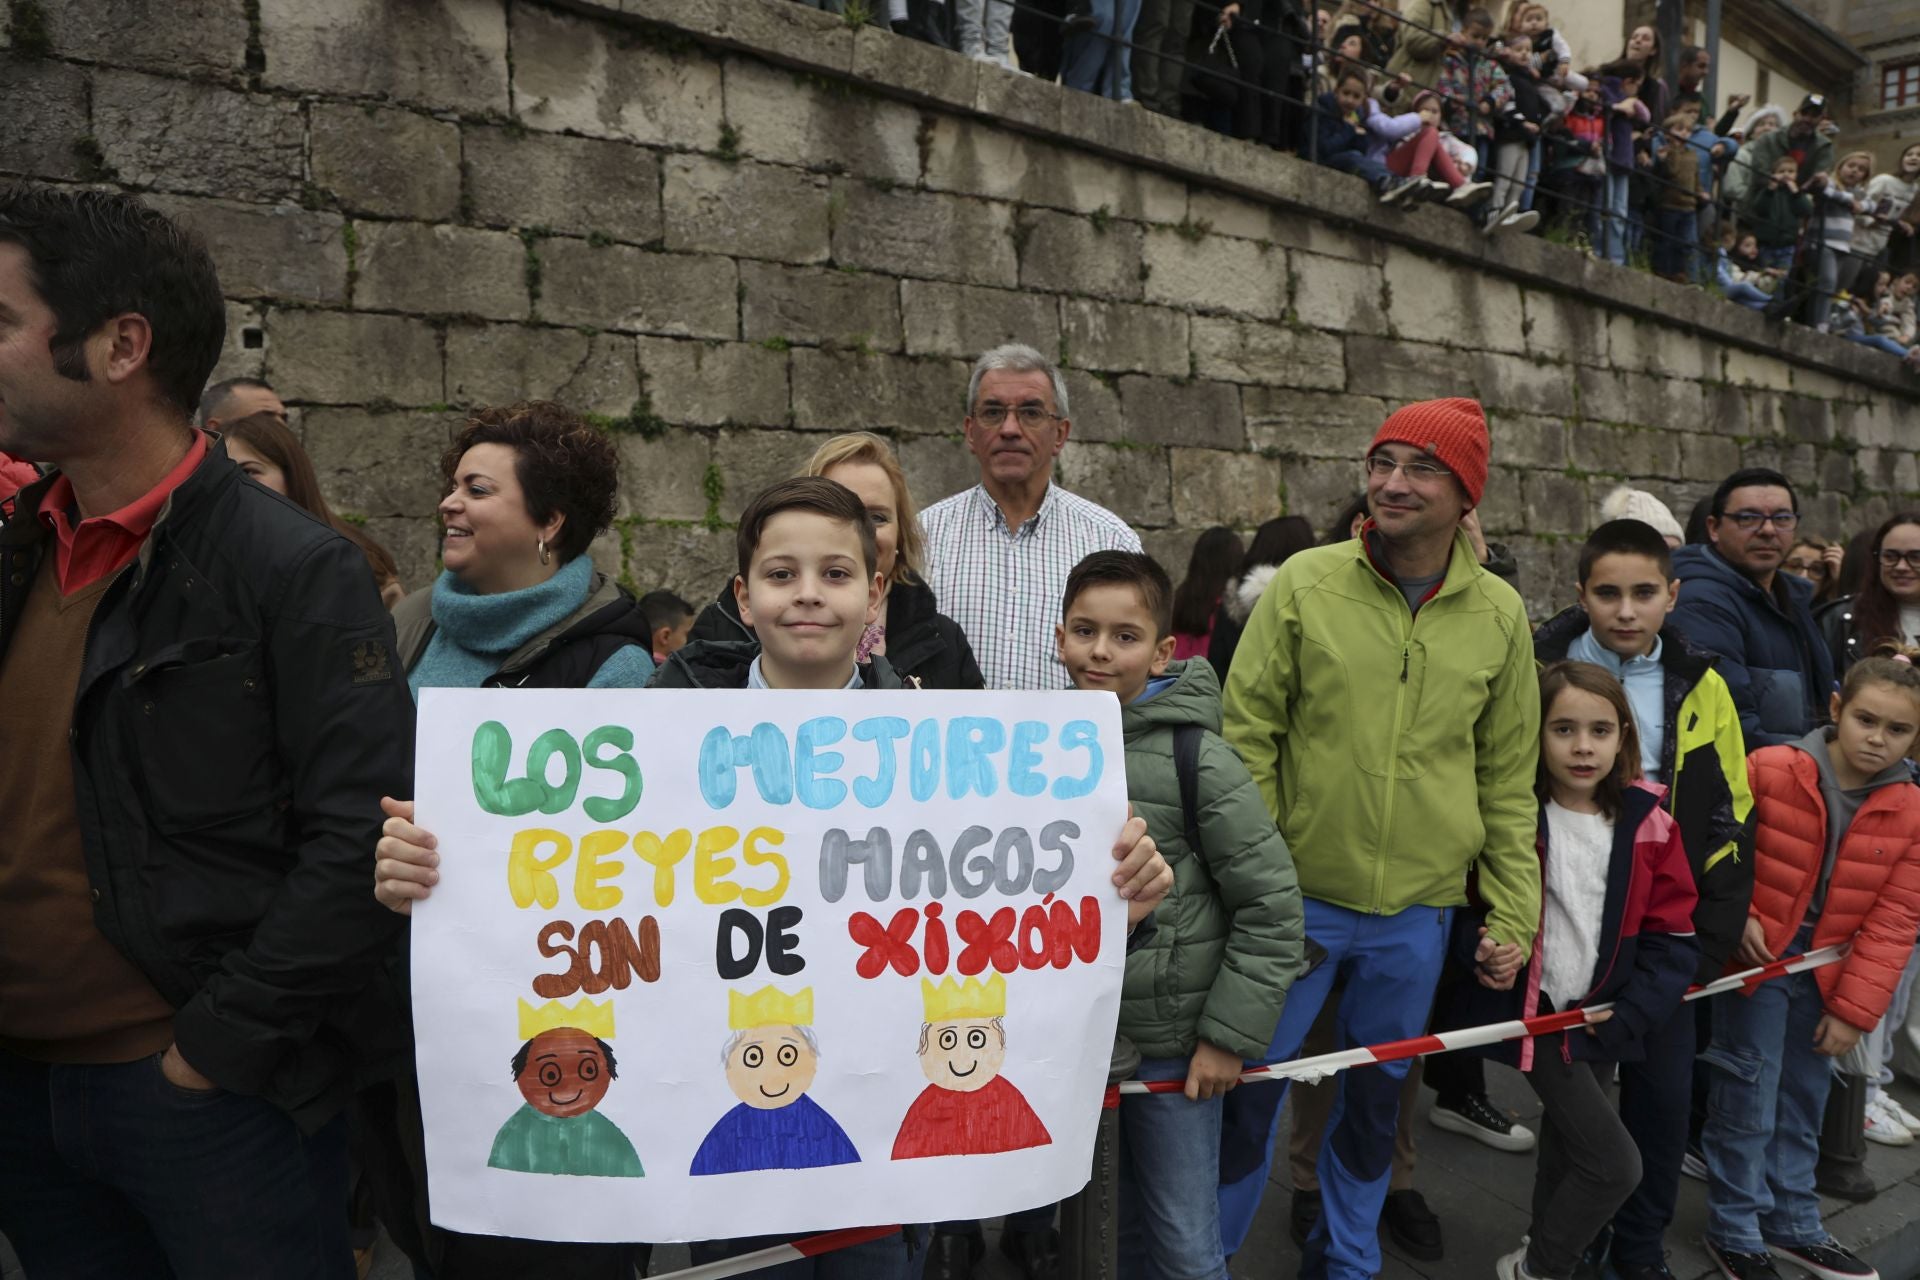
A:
{"x": 708, "y": 964}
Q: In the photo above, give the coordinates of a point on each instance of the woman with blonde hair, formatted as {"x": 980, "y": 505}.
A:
{"x": 922, "y": 644}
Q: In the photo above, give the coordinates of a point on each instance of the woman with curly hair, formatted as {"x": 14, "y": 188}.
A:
{"x": 529, "y": 487}
{"x": 519, "y": 605}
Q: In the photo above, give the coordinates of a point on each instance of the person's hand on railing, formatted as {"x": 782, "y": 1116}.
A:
{"x": 1228, "y": 14}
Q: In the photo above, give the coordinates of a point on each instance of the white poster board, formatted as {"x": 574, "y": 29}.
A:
{"x": 710, "y": 964}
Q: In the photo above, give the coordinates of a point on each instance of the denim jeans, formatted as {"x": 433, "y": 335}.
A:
{"x": 1748, "y": 295}
{"x": 1656, "y": 1095}
{"x": 1360, "y": 164}
{"x": 1763, "y": 1115}
{"x": 1169, "y": 1159}
{"x": 1389, "y": 966}
{"x": 1883, "y": 342}
{"x": 1614, "y": 202}
{"x": 1776, "y": 256}
{"x": 112, "y": 1170}
{"x": 1098, "y": 61}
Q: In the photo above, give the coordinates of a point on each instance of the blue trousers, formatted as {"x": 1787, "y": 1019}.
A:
{"x": 1762, "y": 1137}
{"x": 112, "y": 1170}
{"x": 1656, "y": 1096}
{"x": 1748, "y": 295}
{"x": 1099, "y": 61}
{"x": 1362, "y": 165}
{"x": 1388, "y": 966}
{"x": 1613, "y": 202}
{"x": 1169, "y": 1156}
{"x": 1882, "y": 341}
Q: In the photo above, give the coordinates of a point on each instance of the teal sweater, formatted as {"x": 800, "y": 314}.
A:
{"x": 474, "y": 634}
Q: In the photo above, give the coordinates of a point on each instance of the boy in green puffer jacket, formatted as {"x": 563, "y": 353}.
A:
{"x": 1204, "y": 993}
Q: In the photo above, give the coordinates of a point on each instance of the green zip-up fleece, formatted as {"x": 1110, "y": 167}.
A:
{"x": 1229, "y": 937}
{"x": 1394, "y": 750}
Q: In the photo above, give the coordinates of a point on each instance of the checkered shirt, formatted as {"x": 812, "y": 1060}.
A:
{"x": 1003, "y": 587}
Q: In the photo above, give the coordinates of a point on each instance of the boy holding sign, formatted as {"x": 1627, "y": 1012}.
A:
{"x": 1204, "y": 993}
{"x": 807, "y": 586}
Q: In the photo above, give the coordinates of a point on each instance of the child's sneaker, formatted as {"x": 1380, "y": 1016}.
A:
{"x": 1908, "y": 1120}
{"x": 1497, "y": 218}
{"x": 1742, "y": 1266}
{"x": 1826, "y": 1261}
{"x": 1885, "y": 1129}
{"x": 1476, "y": 1117}
{"x": 1468, "y": 194}
{"x": 1638, "y": 1271}
{"x": 1398, "y": 189}
{"x": 1521, "y": 220}
{"x": 1513, "y": 1266}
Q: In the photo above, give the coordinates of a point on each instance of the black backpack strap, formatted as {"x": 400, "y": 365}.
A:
{"x": 1186, "y": 764}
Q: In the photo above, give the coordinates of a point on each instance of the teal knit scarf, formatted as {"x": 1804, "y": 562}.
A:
{"x": 474, "y": 634}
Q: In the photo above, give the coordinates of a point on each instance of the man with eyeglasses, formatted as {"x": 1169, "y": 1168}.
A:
{"x": 1739, "y": 605}
{"x": 1384, "y": 698}
{"x": 998, "y": 554}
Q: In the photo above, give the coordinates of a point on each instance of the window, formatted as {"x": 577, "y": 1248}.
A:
{"x": 1900, "y": 85}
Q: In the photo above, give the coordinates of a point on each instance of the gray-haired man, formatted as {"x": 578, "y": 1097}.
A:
{"x": 998, "y": 554}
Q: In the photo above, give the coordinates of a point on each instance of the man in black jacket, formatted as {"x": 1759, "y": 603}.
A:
{"x": 199, "y": 711}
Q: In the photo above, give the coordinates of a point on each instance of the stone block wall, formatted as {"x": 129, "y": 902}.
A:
{"x": 728, "y": 228}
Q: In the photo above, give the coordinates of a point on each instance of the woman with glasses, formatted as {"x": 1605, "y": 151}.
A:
{"x": 1888, "y": 604}
{"x": 1818, "y": 561}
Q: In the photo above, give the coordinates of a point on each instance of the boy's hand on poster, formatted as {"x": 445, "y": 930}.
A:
{"x": 404, "y": 860}
{"x": 1834, "y": 1037}
{"x": 1496, "y": 963}
{"x": 1595, "y": 1019}
{"x": 1212, "y": 1072}
{"x": 1753, "y": 945}
{"x": 1143, "y": 876}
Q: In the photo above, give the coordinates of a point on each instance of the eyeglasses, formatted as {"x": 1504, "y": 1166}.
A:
{"x": 1894, "y": 559}
{"x": 1419, "y": 470}
{"x": 1811, "y": 568}
{"x": 1029, "y": 415}
{"x": 1747, "y": 521}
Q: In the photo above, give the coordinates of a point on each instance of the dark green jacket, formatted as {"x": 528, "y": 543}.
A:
{"x": 1229, "y": 937}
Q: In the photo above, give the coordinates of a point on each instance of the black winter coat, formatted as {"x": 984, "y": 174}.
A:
{"x": 239, "y": 715}
{"x": 922, "y": 643}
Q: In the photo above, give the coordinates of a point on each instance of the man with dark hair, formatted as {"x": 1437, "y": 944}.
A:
{"x": 1758, "y": 620}
{"x": 236, "y": 398}
{"x": 201, "y": 712}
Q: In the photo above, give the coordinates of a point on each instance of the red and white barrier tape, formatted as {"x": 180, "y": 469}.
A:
{"x": 793, "y": 1251}
{"x": 1306, "y": 1069}
{"x": 1318, "y": 1068}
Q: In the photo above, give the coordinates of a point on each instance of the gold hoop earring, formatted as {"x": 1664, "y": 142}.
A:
{"x": 546, "y": 557}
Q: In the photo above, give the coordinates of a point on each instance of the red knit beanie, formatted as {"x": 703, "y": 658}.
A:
{"x": 1454, "y": 431}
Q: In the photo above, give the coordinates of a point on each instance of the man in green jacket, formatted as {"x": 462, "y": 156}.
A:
{"x": 1429, "y": 31}
{"x": 1385, "y": 701}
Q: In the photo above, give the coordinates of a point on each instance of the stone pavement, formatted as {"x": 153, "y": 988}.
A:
{"x": 1481, "y": 1197}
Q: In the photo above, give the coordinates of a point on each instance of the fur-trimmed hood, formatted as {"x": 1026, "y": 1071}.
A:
{"x": 1244, "y": 592}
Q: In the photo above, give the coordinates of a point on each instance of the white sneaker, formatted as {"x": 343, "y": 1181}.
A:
{"x": 1513, "y": 1266}
{"x": 1522, "y": 221}
{"x": 1497, "y": 219}
{"x": 1468, "y": 194}
{"x": 1909, "y": 1121}
{"x": 1885, "y": 1129}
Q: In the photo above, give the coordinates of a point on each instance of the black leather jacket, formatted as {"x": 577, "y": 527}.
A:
{"x": 239, "y": 715}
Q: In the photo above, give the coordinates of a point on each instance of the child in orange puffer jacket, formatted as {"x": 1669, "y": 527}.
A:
{"x": 1837, "y": 860}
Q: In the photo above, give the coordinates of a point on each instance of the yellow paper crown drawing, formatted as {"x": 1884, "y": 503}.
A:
{"x": 594, "y": 1019}
{"x": 770, "y": 1007}
{"x": 952, "y": 1000}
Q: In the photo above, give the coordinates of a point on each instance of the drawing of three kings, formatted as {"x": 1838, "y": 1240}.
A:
{"x": 565, "y": 1066}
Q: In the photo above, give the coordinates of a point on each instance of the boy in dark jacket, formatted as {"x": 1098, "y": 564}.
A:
{"x": 1690, "y": 742}
{"x": 1774, "y": 211}
{"x": 1204, "y": 994}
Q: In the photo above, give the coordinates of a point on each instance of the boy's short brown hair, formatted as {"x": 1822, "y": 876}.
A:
{"x": 1125, "y": 569}
{"x": 817, "y": 494}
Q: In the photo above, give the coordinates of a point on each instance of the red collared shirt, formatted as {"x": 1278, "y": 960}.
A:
{"x": 89, "y": 551}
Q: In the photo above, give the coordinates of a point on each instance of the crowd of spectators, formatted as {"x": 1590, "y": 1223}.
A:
{"x": 1495, "y": 114}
